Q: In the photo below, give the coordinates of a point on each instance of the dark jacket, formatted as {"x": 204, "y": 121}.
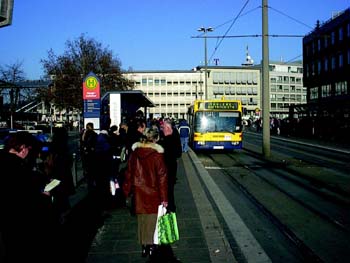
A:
{"x": 26, "y": 222}
{"x": 146, "y": 177}
{"x": 172, "y": 151}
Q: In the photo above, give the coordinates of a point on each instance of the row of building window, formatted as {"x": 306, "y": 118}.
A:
{"x": 245, "y": 101}
{"x": 324, "y": 41}
{"x": 286, "y": 80}
{"x": 288, "y": 69}
{"x": 235, "y": 90}
{"x": 280, "y": 106}
{"x": 288, "y": 97}
{"x": 175, "y": 93}
{"x": 335, "y": 61}
{"x": 163, "y": 82}
{"x": 340, "y": 88}
{"x": 235, "y": 78}
{"x": 285, "y": 88}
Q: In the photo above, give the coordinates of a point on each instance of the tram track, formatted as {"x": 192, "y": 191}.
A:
{"x": 255, "y": 171}
{"x": 313, "y": 190}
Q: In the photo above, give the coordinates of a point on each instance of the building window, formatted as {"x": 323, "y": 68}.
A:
{"x": 255, "y": 91}
{"x": 341, "y": 60}
{"x": 326, "y": 91}
{"x": 319, "y": 44}
{"x": 340, "y": 34}
{"x": 238, "y": 77}
{"x": 314, "y": 93}
{"x": 319, "y": 67}
{"x": 325, "y": 64}
{"x": 333, "y": 62}
{"x": 227, "y": 77}
{"x": 250, "y": 90}
{"x": 325, "y": 41}
{"x": 144, "y": 81}
{"x": 333, "y": 38}
{"x": 255, "y": 78}
{"x": 232, "y": 77}
{"x": 341, "y": 88}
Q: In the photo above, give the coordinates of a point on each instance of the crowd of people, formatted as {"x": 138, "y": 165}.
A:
{"x": 136, "y": 159}
{"x": 141, "y": 158}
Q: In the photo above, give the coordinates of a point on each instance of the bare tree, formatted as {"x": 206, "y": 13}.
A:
{"x": 10, "y": 75}
{"x": 82, "y": 56}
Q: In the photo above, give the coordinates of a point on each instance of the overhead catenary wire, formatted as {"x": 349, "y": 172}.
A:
{"x": 280, "y": 12}
{"x": 228, "y": 30}
{"x": 240, "y": 14}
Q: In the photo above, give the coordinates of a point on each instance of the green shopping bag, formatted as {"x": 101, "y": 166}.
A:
{"x": 167, "y": 229}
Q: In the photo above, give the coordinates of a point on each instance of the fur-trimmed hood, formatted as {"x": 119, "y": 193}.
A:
{"x": 154, "y": 146}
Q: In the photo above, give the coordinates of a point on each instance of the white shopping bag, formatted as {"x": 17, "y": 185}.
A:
{"x": 161, "y": 212}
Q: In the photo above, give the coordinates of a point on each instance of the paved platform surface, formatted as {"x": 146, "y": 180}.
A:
{"x": 202, "y": 238}
{"x": 116, "y": 240}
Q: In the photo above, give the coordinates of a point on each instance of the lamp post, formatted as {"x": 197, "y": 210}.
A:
{"x": 205, "y": 30}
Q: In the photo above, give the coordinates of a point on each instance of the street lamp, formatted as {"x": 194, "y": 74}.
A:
{"x": 205, "y": 30}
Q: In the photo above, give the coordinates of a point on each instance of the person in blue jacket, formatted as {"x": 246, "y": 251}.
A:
{"x": 184, "y": 131}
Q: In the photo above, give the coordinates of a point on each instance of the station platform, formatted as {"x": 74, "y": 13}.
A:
{"x": 201, "y": 236}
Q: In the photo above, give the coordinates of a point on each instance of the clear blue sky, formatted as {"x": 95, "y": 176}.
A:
{"x": 157, "y": 34}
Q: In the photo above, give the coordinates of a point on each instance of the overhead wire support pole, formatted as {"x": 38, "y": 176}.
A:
{"x": 205, "y": 30}
{"x": 265, "y": 83}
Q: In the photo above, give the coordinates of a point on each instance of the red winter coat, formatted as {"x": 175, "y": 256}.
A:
{"x": 146, "y": 176}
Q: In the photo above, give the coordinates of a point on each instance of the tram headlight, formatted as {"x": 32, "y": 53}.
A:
{"x": 201, "y": 142}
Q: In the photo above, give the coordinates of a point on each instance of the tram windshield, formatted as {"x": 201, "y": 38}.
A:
{"x": 217, "y": 122}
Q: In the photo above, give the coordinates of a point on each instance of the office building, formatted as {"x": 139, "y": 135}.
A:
{"x": 286, "y": 87}
{"x": 174, "y": 91}
{"x": 326, "y": 63}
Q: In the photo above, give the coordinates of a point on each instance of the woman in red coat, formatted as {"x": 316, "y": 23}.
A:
{"x": 146, "y": 178}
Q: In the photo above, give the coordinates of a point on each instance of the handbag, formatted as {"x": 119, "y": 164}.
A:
{"x": 168, "y": 231}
